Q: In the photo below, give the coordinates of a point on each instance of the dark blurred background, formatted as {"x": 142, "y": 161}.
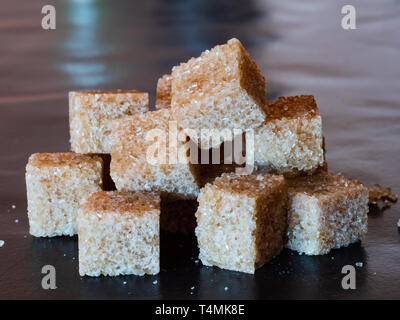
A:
{"x": 300, "y": 47}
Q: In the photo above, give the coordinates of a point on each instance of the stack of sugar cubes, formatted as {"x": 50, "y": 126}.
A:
{"x": 246, "y": 174}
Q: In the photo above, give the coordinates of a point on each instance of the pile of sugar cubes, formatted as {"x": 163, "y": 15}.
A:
{"x": 247, "y": 175}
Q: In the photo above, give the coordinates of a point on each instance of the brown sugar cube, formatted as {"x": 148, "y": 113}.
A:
{"x": 290, "y": 141}
{"x": 326, "y": 211}
{"x": 119, "y": 234}
{"x": 91, "y": 114}
{"x": 163, "y": 95}
{"x": 221, "y": 89}
{"x": 55, "y": 183}
{"x": 241, "y": 221}
{"x": 133, "y": 170}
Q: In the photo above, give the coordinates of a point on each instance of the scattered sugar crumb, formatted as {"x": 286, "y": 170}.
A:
{"x": 226, "y": 288}
{"x": 65, "y": 254}
{"x": 192, "y": 288}
{"x": 381, "y": 197}
{"x": 13, "y": 206}
{"x": 398, "y": 223}
{"x": 191, "y": 292}
{"x": 24, "y": 236}
{"x": 359, "y": 264}
{"x": 16, "y": 220}
{"x": 125, "y": 282}
{"x": 2, "y": 243}
{"x": 196, "y": 261}
{"x": 155, "y": 282}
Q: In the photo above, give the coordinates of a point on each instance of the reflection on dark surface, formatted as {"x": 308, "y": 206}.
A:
{"x": 182, "y": 275}
{"x": 179, "y": 270}
{"x": 306, "y": 276}
{"x": 192, "y": 25}
{"x": 60, "y": 252}
{"x": 299, "y": 47}
{"x": 197, "y": 21}
{"x": 215, "y": 283}
{"x": 82, "y": 44}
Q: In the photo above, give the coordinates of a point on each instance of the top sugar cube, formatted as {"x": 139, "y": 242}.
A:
{"x": 91, "y": 114}
{"x": 223, "y": 88}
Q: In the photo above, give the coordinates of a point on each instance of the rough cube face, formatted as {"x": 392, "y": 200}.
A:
{"x": 326, "y": 211}
{"x": 119, "y": 234}
{"x": 241, "y": 221}
{"x": 223, "y": 88}
{"x": 91, "y": 115}
{"x": 131, "y": 169}
{"x": 290, "y": 141}
{"x": 55, "y": 183}
{"x": 163, "y": 95}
